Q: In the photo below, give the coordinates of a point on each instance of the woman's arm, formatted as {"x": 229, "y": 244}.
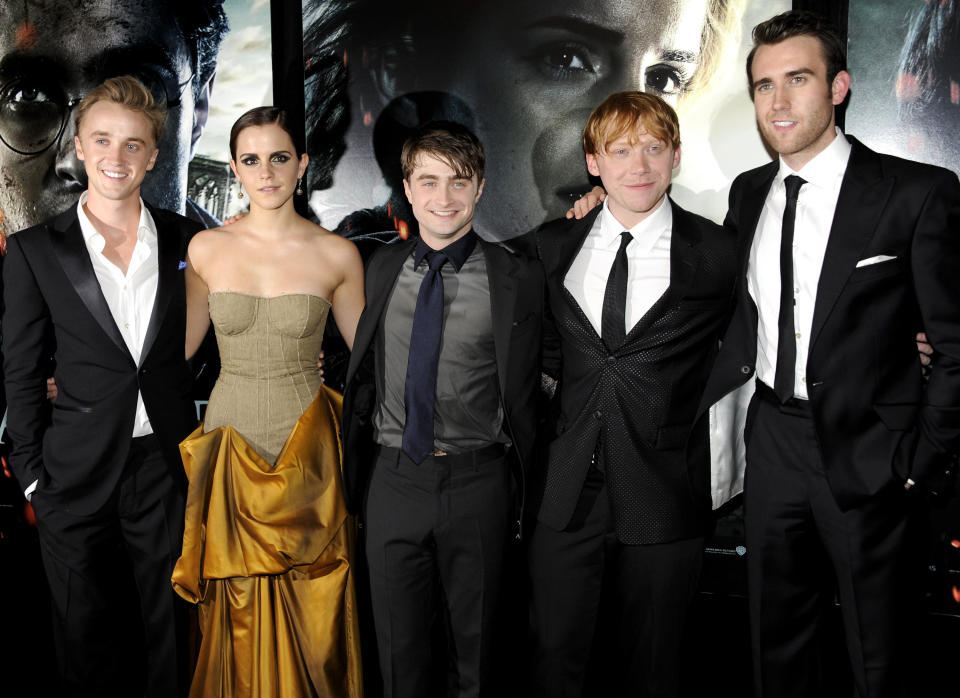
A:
{"x": 348, "y": 300}
{"x": 198, "y": 311}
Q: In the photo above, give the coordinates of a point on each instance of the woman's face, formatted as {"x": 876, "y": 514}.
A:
{"x": 534, "y": 71}
{"x": 267, "y": 166}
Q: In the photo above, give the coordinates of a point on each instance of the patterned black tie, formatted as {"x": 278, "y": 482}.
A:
{"x": 420, "y": 389}
{"x": 787, "y": 340}
{"x": 613, "y": 320}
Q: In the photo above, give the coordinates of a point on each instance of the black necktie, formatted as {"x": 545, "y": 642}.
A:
{"x": 613, "y": 320}
{"x": 787, "y": 340}
{"x": 420, "y": 389}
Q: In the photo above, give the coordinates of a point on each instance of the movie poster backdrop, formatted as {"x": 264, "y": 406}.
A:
{"x": 524, "y": 75}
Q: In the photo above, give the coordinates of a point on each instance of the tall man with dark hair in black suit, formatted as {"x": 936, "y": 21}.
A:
{"x": 103, "y": 281}
{"x": 439, "y": 408}
{"x": 639, "y": 293}
{"x": 844, "y": 254}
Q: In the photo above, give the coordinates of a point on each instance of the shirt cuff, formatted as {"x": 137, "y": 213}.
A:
{"x": 28, "y": 493}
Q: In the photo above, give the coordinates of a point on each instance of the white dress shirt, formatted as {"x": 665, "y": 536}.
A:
{"x": 815, "y": 208}
{"x": 648, "y": 264}
{"x": 130, "y": 296}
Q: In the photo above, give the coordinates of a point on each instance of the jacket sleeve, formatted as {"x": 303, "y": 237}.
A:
{"x": 935, "y": 259}
{"x": 26, "y": 324}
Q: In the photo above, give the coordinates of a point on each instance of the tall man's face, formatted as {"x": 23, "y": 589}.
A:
{"x": 793, "y": 99}
{"x": 51, "y": 54}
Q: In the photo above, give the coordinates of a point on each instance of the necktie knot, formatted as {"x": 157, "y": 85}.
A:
{"x": 625, "y": 238}
{"x": 793, "y": 184}
{"x": 436, "y": 259}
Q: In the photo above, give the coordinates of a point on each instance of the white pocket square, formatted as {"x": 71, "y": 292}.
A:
{"x": 874, "y": 260}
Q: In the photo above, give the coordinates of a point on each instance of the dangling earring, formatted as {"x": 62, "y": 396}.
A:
{"x": 240, "y": 192}
{"x": 299, "y": 185}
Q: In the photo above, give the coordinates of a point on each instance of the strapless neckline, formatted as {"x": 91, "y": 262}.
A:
{"x": 269, "y": 298}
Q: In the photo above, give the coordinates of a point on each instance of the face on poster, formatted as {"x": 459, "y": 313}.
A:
{"x": 52, "y": 52}
{"x": 525, "y": 76}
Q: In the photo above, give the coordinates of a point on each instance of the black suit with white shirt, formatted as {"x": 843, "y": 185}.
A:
{"x": 100, "y": 491}
{"x": 824, "y": 499}
{"x": 627, "y": 488}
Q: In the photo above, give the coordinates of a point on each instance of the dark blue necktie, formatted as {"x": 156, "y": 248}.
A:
{"x": 420, "y": 389}
{"x": 786, "y": 369}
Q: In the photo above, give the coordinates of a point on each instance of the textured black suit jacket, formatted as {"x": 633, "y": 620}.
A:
{"x": 876, "y": 422}
{"x": 639, "y": 400}
{"x": 51, "y": 289}
{"x": 516, "y": 304}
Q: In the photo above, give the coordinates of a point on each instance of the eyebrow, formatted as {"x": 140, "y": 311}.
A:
{"x": 578, "y": 26}
{"x": 256, "y": 155}
{"x": 118, "y": 60}
{"x": 16, "y": 63}
{"x": 789, "y": 74}
{"x": 678, "y": 56}
{"x": 129, "y": 139}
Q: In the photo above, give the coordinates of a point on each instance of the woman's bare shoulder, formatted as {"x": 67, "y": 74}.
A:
{"x": 208, "y": 243}
{"x": 332, "y": 245}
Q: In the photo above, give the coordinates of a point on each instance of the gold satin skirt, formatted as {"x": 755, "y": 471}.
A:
{"x": 266, "y": 554}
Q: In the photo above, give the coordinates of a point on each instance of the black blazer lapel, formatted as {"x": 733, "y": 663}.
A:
{"x": 752, "y": 200}
{"x": 66, "y": 238}
{"x": 168, "y": 275}
{"x": 566, "y": 251}
{"x": 503, "y": 298}
{"x": 381, "y": 275}
{"x": 863, "y": 195}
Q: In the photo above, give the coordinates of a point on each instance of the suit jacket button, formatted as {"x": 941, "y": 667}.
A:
{"x": 745, "y": 369}
{"x": 611, "y": 359}
{"x": 598, "y": 414}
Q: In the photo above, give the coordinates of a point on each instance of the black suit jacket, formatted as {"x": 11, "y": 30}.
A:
{"x": 51, "y": 290}
{"x": 516, "y": 304}
{"x": 875, "y": 420}
{"x": 639, "y": 400}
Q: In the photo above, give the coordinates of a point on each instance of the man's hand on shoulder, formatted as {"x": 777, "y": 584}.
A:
{"x": 233, "y": 219}
{"x": 587, "y": 203}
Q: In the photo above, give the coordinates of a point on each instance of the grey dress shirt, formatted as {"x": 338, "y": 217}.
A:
{"x": 468, "y": 414}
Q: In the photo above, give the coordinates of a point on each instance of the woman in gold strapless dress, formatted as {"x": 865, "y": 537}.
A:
{"x": 268, "y": 544}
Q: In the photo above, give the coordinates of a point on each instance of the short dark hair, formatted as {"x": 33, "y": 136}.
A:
{"x": 263, "y": 116}
{"x": 448, "y": 141}
{"x": 203, "y": 23}
{"x": 801, "y": 23}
